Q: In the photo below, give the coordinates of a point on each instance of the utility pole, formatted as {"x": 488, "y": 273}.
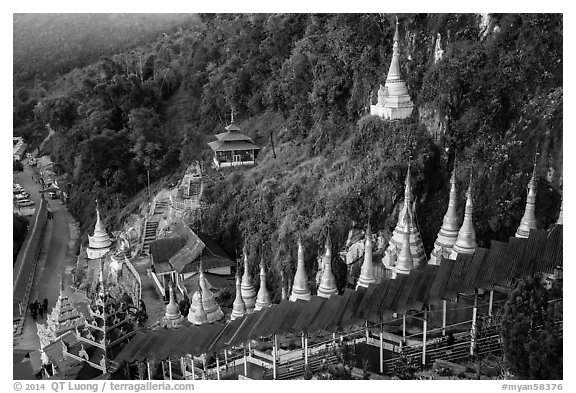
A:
{"x": 148, "y": 172}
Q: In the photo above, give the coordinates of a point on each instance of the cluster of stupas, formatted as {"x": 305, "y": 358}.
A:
{"x": 406, "y": 231}
{"x": 405, "y": 252}
{"x": 393, "y": 99}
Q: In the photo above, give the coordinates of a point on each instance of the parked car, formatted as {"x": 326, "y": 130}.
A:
{"x": 52, "y": 195}
{"x": 25, "y": 202}
{"x": 21, "y": 197}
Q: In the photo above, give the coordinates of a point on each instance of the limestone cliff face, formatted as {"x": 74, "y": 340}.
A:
{"x": 432, "y": 118}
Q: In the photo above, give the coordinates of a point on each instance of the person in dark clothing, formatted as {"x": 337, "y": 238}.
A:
{"x": 450, "y": 342}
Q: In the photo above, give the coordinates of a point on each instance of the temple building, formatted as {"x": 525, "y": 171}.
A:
{"x": 176, "y": 258}
{"x": 327, "y": 286}
{"x": 233, "y": 148}
{"x": 104, "y": 336}
{"x": 367, "y": 275}
{"x": 449, "y": 230}
{"x": 247, "y": 289}
{"x": 466, "y": 241}
{"x": 395, "y": 245}
{"x": 393, "y": 99}
{"x": 263, "y": 297}
{"x": 528, "y": 221}
{"x": 300, "y": 288}
{"x": 99, "y": 243}
{"x": 63, "y": 318}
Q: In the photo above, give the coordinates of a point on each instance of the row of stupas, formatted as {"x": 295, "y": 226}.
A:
{"x": 405, "y": 252}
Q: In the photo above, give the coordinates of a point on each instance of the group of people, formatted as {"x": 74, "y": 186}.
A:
{"x": 39, "y": 309}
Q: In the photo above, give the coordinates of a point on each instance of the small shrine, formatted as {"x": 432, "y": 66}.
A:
{"x": 246, "y": 288}
{"x": 205, "y": 300}
{"x": 528, "y": 221}
{"x": 263, "y": 297}
{"x": 99, "y": 243}
{"x": 233, "y": 148}
{"x": 449, "y": 230}
{"x": 393, "y": 99}
{"x": 300, "y": 289}
{"x": 466, "y": 241}
{"x": 327, "y": 286}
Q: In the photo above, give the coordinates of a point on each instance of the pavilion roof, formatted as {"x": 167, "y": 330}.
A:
{"x": 226, "y": 145}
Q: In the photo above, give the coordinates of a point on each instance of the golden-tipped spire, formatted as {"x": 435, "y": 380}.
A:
{"x": 367, "y": 272}
{"x": 300, "y": 288}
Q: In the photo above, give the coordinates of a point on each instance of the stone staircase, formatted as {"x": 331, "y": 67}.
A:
{"x": 151, "y": 227}
{"x": 195, "y": 189}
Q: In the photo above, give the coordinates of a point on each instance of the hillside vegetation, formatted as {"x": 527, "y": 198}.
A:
{"x": 304, "y": 82}
{"x": 46, "y": 45}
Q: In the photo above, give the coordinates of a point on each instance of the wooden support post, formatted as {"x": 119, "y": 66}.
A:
{"x": 140, "y": 370}
{"x": 274, "y": 354}
{"x": 490, "y": 303}
{"x": 305, "y": 350}
{"x": 193, "y": 370}
{"x": 425, "y": 331}
{"x": 170, "y": 368}
{"x": 245, "y": 360}
{"x": 183, "y": 367}
{"x": 148, "y": 368}
{"x": 443, "y": 317}
{"x": 217, "y": 368}
{"x": 473, "y": 325}
{"x": 333, "y": 338}
{"x": 204, "y": 366}
{"x": 367, "y": 332}
{"x": 381, "y": 349}
{"x": 404, "y": 327}
{"x": 163, "y": 370}
{"x": 226, "y": 358}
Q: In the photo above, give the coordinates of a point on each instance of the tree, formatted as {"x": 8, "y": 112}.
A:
{"x": 532, "y": 330}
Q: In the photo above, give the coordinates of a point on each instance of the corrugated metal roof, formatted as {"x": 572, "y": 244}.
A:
{"x": 486, "y": 267}
{"x": 162, "y": 250}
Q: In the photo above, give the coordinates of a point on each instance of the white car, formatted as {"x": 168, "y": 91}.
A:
{"x": 21, "y": 197}
{"x": 25, "y": 202}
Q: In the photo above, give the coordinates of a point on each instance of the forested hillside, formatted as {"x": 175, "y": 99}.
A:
{"x": 305, "y": 82}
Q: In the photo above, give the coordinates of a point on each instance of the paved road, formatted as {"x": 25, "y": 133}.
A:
{"x": 51, "y": 264}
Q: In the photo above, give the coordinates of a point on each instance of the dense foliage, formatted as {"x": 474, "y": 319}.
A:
{"x": 304, "y": 82}
{"x": 532, "y": 330}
